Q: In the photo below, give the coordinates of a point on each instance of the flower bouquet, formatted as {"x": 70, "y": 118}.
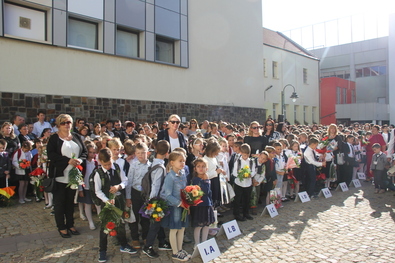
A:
{"x": 75, "y": 177}
{"x": 190, "y": 196}
{"x": 36, "y": 178}
{"x": 155, "y": 209}
{"x": 275, "y": 198}
{"x": 24, "y": 164}
{"x": 244, "y": 173}
{"x": 291, "y": 179}
{"x": 110, "y": 217}
{"x": 321, "y": 148}
{"x": 294, "y": 161}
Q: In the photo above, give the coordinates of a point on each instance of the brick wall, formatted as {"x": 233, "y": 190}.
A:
{"x": 95, "y": 109}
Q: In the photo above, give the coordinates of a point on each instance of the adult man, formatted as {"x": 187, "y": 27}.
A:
{"x": 41, "y": 124}
{"x": 117, "y": 128}
{"x": 17, "y": 120}
{"x": 109, "y": 126}
{"x": 78, "y": 124}
{"x": 30, "y": 133}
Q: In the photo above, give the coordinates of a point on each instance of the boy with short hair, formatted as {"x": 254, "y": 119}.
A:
{"x": 377, "y": 168}
{"x": 280, "y": 165}
{"x": 114, "y": 183}
{"x": 133, "y": 192}
{"x": 243, "y": 187}
{"x": 157, "y": 177}
{"x": 312, "y": 163}
{"x": 115, "y": 147}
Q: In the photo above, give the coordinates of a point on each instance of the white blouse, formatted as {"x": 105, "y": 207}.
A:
{"x": 69, "y": 149}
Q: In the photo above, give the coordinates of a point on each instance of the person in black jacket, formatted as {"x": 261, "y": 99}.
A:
{"x": 65, "y": 151}
{"x": 172, "y": 135}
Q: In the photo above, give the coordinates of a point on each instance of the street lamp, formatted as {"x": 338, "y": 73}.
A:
{"x": 294, "y": 96}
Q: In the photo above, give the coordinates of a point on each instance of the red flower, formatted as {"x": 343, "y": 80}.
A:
{"x": 79, "y": 167}
{"x": 41, "y": 188}
{"x": 110, "y": 225}
{"x": 113, "y": 233}
{"x": 158, "y": 219}
{"x": 189, "y": 188}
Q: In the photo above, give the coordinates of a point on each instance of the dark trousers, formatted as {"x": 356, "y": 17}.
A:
{"x": 242, "y": 198}
{"x": 121, "y": 236}
{"x": 137, "y": 203}
{"x": 311, "y": 179}
{"x": 345, "y": 174}
{"x": 379, "y": 178}
{"x": 155, "y": 229}
{"x": 63, "y": 200}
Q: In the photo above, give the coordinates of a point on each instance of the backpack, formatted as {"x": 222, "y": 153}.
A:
{"x": 146, "y": 182}
{"x": 104, "y": 178}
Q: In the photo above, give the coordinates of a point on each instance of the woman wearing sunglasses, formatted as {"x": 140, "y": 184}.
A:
{"x": 255, "y": 139}
{"x": 65, "y": 151}
{"x": 269, "y": 134}
{"x": 193, "y": 127}
{"x": 172, "y": 135}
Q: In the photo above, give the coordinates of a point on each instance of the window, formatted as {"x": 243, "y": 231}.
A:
{"x": 304, "y": 114}
{"x": 371, "y": 71}
{"x": 127, "y": 43}
{"x": 313, "y": 114}
{"x": 25, "y": 22}
{"x": 164, "y": 50}
{"x": 274, "y": 110}
{"x": 344, "y": 96}
{"x": 305, "y": 75}
{"x": 353, "y": 96}
{"x": 82, "y": 33}
{"x": 338, "y": 95}
{"x": 275, "y": 69}
{"x": 264, "y": 68}
{"x": 295, "y": 113}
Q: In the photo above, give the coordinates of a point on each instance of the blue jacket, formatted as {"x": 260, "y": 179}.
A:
{"x": 172, "y": 186}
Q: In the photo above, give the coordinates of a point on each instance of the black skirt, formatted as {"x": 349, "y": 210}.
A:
{"x": 202, "y": 216}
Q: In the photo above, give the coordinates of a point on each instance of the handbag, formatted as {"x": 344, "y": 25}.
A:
{"x": 49, "y": 185}
{"x": 340, "y": 158}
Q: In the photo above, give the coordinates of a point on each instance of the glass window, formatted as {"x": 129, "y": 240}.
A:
{"x": 358, "y": 73}
{"x": 127, "y": 43}
{"x": 82, "y": 33}
{"x": 274, "y": 110}
{"x": 275, "y": 69}
{"x": 164, "y": 50}
{"x": 295, "y": 113}
{"x": 374, "y": 71}
{"x": 264, "y": 68}
{"x": 382, "y": 70}
{"x": 304, "y": 114}
{"x": 305, "y": 75}
{"x": 338, "y": 95}
{"x": 344, "y": 96}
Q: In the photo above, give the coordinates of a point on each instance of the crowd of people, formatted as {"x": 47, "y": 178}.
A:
{"x": 238, "y": 167}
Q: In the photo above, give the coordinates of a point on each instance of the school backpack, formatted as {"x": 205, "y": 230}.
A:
{"x": 146, "y": 182}
{"x": 103, "y": 178}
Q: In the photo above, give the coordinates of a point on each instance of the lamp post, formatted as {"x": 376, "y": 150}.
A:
{"x": 294, "y": 96}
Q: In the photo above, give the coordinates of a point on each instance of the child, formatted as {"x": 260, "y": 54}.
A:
{"x": 212, "y": 150}
{"x": 157, "y": 177}
{"x": 22, "y": 174}
{"x": 84, "y": 197}
{"x": 243, "y": 188}
{"x": 113, "y": 184}
{"x": 5, "y": 163}
{"x": 303, "y": 140}
{"x": 295, "y": 174}
{"x": 222, "y": 159}
{"x": 202, "y": 215}
{"x": 175, "y": 181}
{"x": 271, "y": 177}
{"x": 280, "y": 166}
{"x": 312, "y": 163}
{"x": 115, "y": 147}
{"x": 130, "y": 151}
{"x": 377, "y": 168}
{"x": 284, "y": 154}
{"x": 259, "y": 179}
{"x": 233, "y": 158}
{"x": 133, "y": 192}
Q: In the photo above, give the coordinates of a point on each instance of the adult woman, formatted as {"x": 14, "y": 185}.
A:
{"x": 269, "y": 134}
{"x": 255, "y": 139}
{"x": 7, "y": 133}
{"x": 97, "y": 131}
{"x": 129, "y": 132}
{"x": 83, "y": 132}
{"x": 375, "y": 138}
{"x": 65, "y": 151}
{"x": 172, "y": 135}
{"x": 282, "y": 129}
{"x": 333, "y": 135}
{"x": 23, "y": 133}
{"x": 193, "y": 127}
{"x": 45, "y": 134}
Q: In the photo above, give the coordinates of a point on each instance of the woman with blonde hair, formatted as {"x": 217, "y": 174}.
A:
{"x": 255, "y": 139}
{"x": 7, "y": 133}
{"x": 172, "y": 135}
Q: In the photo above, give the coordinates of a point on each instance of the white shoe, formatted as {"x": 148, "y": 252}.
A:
{"x": 27, "y": 200}
{"x": 22, "y": 201}
{"x": 83, "y": 218}
{"x": 92, "y": 227}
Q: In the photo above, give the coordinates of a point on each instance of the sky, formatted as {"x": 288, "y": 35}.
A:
{"x": 358, "y": 20}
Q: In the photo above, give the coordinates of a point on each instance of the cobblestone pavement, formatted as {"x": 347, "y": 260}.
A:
{"x": 353, "y": 226}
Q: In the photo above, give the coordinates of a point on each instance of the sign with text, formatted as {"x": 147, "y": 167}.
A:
{"x": 231, "y": 229}
{"x": 325, "y": 192}
{"x": 356, "y": 183}
{"x": 271, "y": 210}
{"x": 342, "y": 187}
{"x": 361, "y": 176}
{"x": 303, "y": 197}
{"x": 208, "y": 250}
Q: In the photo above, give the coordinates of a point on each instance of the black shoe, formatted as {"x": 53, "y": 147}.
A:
{"x": 64, "y": 235}
{"x": 164, "y": 246}
{"x": 249, "y": 217}
{"x": 150, "y": 252}
{"x": 75, "y": 232}
{"x": 240, "y": 218}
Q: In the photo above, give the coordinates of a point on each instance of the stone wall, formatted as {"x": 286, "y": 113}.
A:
{"x": 95, "y": 109}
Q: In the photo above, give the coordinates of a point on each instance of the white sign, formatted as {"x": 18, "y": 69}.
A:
{"x": 208, "y": 250}
{"x": 342, "y": 186}
{"x": 303, "y": 197}
{"x": 231, "y": 229}
{"x": 361, "y": 176}
{"x": 325, "y": 192}
{"x": 271, "y": 210}
{"x": 356, "y": 183}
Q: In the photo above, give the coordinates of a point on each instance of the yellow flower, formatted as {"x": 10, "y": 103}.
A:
{"x": 195, "y": 193}
{"x": 153, "y": 205}
{"x": 154, "y": 215}
{"x": 246, "y": 175}
{"x": 246, "y": 167}
{"x": 158, "y": 209}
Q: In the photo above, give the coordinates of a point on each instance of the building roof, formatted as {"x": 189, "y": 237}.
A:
{"x": 279, "y": 40}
